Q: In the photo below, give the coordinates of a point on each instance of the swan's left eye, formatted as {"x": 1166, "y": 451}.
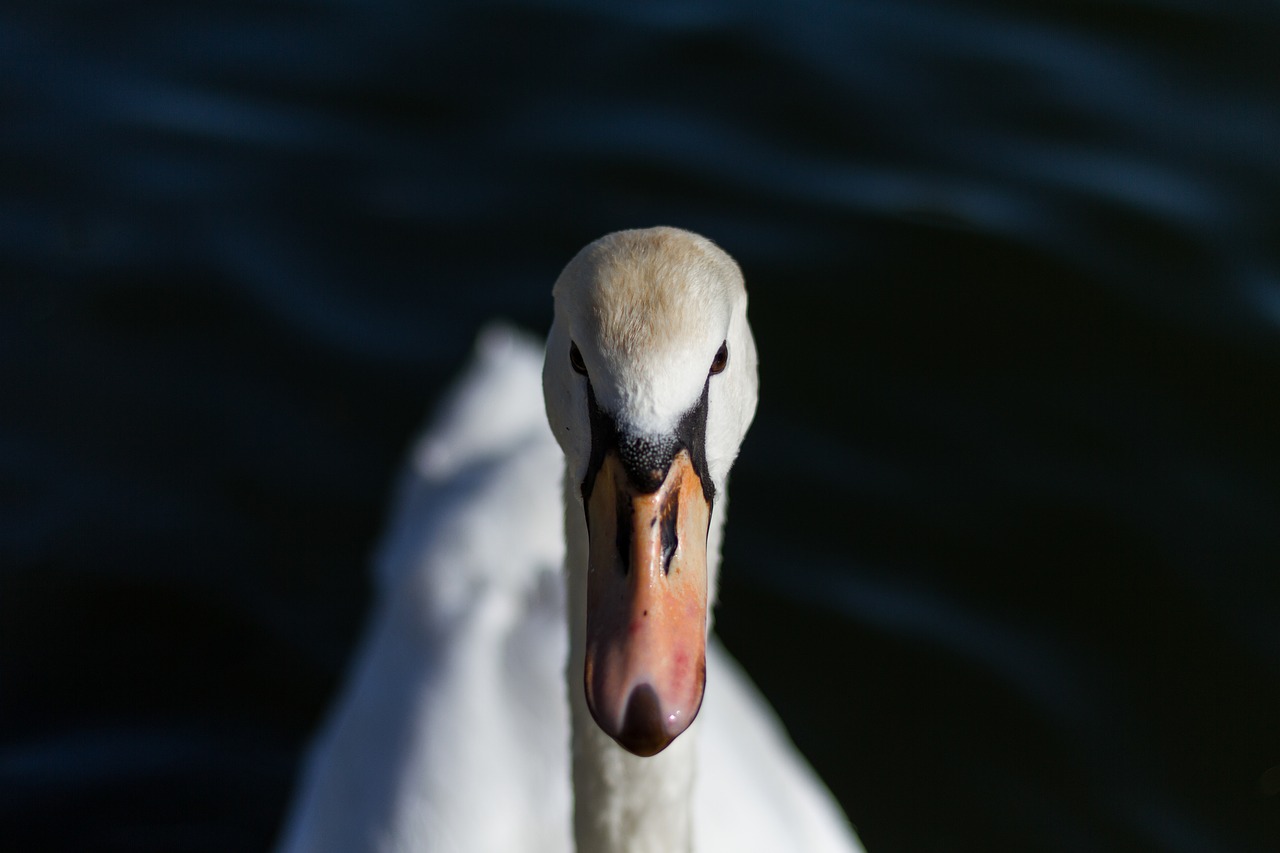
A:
{"x": 721, "y": 359}
{"x": 575, "y": 359}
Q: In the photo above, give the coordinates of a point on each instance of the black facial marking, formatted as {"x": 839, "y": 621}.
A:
{"x": 691, "y": 433}
{"x": 604, "y": 434}
{"x": 647, "y": 459}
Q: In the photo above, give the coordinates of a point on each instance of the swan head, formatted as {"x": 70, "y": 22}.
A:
{"x": 650, "y": 385}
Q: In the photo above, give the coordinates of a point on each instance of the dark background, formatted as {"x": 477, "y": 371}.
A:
{"x": 1005, "y": 537}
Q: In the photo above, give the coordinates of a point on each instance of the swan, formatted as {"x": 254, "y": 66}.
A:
{"x": 521, "y": 559}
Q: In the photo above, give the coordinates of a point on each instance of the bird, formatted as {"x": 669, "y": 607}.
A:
{"x": 538, "y": 672}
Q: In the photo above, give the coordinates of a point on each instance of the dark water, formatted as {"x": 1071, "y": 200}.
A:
{"x": 1005, "y": 538}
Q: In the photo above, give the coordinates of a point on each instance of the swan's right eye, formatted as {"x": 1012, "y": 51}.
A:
{"x": 575, "y": 359}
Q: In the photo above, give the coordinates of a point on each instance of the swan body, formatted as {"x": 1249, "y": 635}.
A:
{"x": 455, "y": 732}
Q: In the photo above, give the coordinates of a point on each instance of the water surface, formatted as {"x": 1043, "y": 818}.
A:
{"x": 1004, "y": 537}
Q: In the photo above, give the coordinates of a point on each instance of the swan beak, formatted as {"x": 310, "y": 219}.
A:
{"x": 646, "y": 604}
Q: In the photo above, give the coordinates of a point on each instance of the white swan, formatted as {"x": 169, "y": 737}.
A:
{"x": 455, "y": 732}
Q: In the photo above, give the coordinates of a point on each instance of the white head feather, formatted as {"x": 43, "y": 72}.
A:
{"x": 648, "y": 310}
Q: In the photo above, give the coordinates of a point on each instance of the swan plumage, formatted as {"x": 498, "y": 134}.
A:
{"x": 454, "y": 732}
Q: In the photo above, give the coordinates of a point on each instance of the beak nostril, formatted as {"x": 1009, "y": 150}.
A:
{"x": 670, "y": 535}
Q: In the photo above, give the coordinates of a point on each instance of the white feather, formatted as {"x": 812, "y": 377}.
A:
{"x": 453, "y": 732}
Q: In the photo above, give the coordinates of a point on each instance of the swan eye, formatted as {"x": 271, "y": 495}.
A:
{"x": 575, "y": 359}
{"x": 721, "y": 359}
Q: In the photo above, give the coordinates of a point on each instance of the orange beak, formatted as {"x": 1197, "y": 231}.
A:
{"x": 646, "y": 604}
